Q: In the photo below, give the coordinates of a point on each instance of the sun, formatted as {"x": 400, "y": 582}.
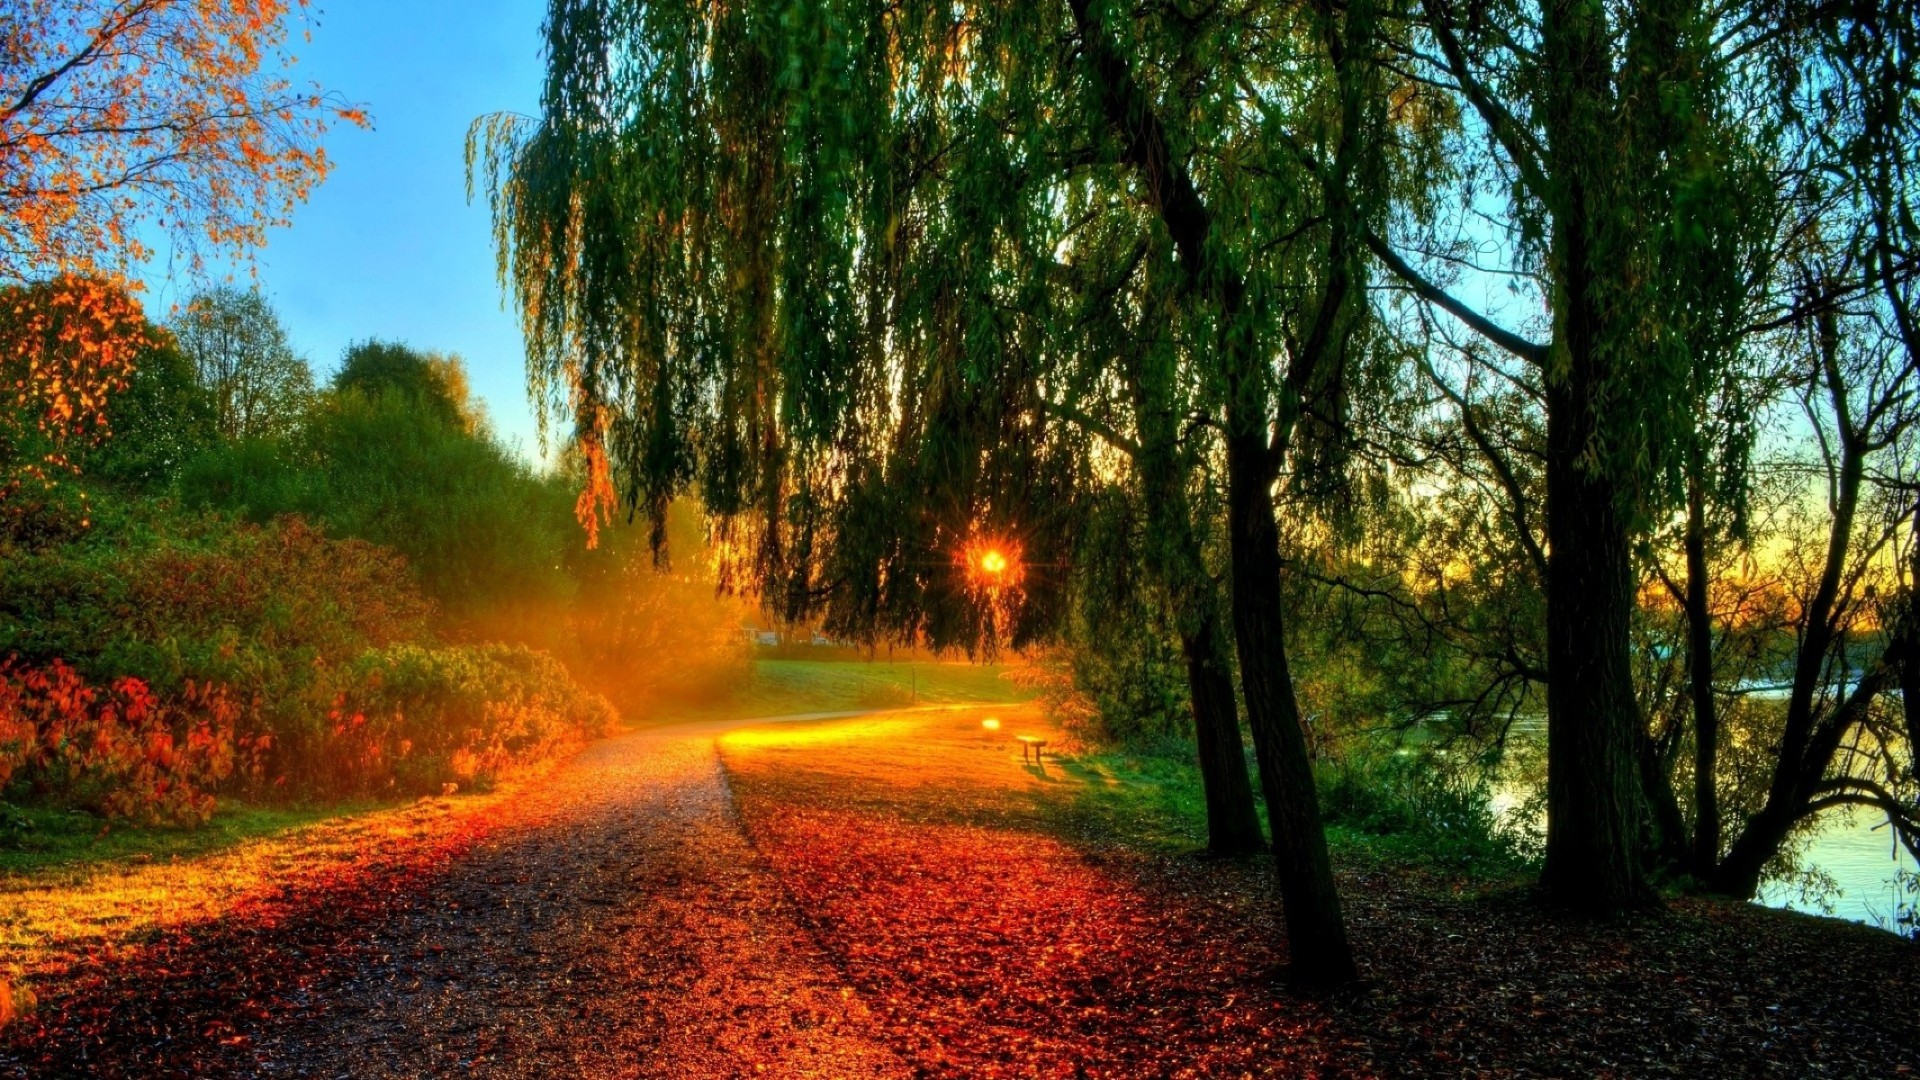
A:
{"x": 992, "y": 564}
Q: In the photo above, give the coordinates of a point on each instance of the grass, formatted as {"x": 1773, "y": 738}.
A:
{"x": 781, "y": 687}
{"x": 1148, "y": 800}
{"x": 35, "y": 840}
{"x": 70, "y": 898}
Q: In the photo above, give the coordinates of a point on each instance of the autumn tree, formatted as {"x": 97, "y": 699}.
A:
{"x": 66, "y": 347}
{"x": 235, "y": 340}
{"x": 122, "y": 121}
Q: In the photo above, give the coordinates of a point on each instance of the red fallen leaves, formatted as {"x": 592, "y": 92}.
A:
{"x": 1002, "y": 953}
{"x": 172, "y": 1007}
{"x": 998, "y": 942}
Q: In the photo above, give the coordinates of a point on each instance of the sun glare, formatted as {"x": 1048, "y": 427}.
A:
{"x": 992, "y": 564}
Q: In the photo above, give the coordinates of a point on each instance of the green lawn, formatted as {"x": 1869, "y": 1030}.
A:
{"x": 36, "y": 839}
{"x": 782, "y": 687}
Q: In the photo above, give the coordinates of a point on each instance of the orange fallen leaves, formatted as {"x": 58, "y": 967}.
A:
{"x": 995, "y": 950}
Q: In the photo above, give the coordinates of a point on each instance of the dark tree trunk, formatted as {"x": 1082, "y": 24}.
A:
{"x": 1593, "y": 791}
{"x": 1669, "y": 841}
{"x": 1806, "y": 749}
{"x": 1594, "y": 798}
{"x": 1233, "y": 828}
{"x": 1316, "y": 931}
{"x": 1706, "y": 716}
{"x": 1173, "y": 551}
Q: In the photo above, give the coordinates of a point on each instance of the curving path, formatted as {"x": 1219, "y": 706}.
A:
{"x": 616, "y": 924}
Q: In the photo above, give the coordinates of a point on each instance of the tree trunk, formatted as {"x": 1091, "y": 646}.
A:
{"x": 1593, "y": 790}
{"x": 1173, "y": 551}
{"x": 1316, "y": 931}
{"x": 1706, "y": 716}
{"x": 1233, "y": 828}
{"x": 1669, "y": 840}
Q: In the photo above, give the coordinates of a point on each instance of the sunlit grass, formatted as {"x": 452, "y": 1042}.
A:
{"x": 781, "y": 687}
{"x": 37, "y": 840}
{"x": 70, "y": 898}
{"x": 943, "y": 765}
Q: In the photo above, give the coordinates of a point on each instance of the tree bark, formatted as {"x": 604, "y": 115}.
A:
{"x": 1594, "y": 801}
{"x": 1595, "y": 805}
{"x": 1233, "y": 827}
{"x": 1706, "y": 715}
{"x": 1316, "y": 931}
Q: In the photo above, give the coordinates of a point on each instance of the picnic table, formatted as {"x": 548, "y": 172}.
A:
{"x": 1031, "y": 745}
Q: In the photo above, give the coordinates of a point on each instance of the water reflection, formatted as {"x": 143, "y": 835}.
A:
{"x": 1853, "y": 868}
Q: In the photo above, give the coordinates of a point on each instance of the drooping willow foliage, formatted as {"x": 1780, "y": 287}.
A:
{"x": 863, "y": 274}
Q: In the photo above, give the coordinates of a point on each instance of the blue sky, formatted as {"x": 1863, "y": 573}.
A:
{"x": 388, "y": 246}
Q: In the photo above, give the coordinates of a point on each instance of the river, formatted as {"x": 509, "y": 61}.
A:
{"x": 1864, "y": 868}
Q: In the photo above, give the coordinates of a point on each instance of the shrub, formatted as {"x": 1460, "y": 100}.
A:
{"x": 478, "y": 527}
{"x": 411, "y": 718}
{"x": 1430, "y": 811}
{"x": 208, "y": 600}
{"x": 119, "y": 750}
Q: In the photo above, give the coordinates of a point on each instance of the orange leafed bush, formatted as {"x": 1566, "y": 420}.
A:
{"x": 66, "y": 347}
{"x": 119, "y": 749}
{"x": 414, "y": 718}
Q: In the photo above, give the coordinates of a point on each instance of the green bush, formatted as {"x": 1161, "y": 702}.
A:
{"x": 166, "y": 599}
{"x": 479, "y": 527}
{"x": 1417, "y": 808}
{"x": 411, "y": 718}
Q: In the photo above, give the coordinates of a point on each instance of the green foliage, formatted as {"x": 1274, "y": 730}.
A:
{"x": 226, "y": 656}
{"x": 431, "y": 382}
{"x": 412, "y": 718}
{"x": 163, "y": 418}
{"x": 168, "y": 599}
{"x": 234, "y": 339}
{"x": 477, "y": 525}
{"x": 1407, "y": 805}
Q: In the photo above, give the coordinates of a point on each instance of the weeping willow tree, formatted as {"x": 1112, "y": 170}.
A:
{"x": 1620, "y": 163}
{"x": 878, "y": 280}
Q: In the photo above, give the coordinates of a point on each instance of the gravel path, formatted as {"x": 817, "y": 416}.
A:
{"x": 619, "y": 925}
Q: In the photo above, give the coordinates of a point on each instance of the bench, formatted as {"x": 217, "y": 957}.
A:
{"x": 1030, "y": 744}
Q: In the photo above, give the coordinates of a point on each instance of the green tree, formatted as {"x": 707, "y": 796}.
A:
{"x": 161, "y": 421}
{"x": 813, "y": 262}
{"x": 1634, "y": 142}
{"x": 433, "y": 381}
{"x": 235, "y": 340}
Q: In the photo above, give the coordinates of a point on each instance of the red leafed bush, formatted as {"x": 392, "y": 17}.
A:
{"x": 118, "y": 749}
